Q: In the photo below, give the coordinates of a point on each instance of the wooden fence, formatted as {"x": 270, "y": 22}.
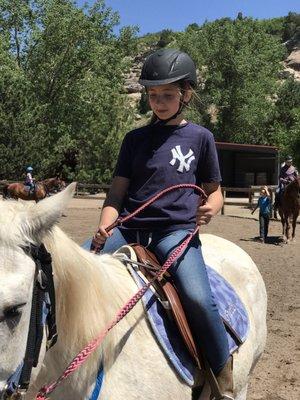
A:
{"x": 82, "y": 189}
{"x": 250, "y": 194}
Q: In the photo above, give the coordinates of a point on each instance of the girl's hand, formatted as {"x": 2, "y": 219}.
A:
{"x": 100, "y": 238}
{"x": 204, "y": 214}
{"x": 101, "y": 235}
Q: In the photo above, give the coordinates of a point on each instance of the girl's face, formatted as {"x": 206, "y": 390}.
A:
{"x": 165, "y": 100}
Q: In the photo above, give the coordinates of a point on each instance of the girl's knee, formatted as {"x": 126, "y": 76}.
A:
{"x": 200, "y": 302}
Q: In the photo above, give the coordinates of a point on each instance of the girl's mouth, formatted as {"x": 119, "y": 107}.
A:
{"x": 162, "y": 111}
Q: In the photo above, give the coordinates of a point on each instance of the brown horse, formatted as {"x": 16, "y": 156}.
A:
{"x": 18, "y": 190}
{"x": 53, "y": 184}
{"x": 289, "y": 208}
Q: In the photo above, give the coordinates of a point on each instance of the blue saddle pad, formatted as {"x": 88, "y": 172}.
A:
{"x": 230, "y": 307}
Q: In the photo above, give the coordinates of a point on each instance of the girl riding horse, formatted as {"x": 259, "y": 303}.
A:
{"x": 18, "y": 190}
{"x": 287, "y": 174}
{"x": 170, "y": 151}
{"x": 29, "y": 181}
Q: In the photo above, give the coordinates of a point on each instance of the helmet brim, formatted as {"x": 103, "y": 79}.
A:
{"x": 147, "y": 83}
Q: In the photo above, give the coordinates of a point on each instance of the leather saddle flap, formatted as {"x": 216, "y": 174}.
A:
{"x": 166, "y": 291}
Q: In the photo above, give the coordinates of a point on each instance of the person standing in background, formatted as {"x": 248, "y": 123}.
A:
{"x": 264, "y": 205}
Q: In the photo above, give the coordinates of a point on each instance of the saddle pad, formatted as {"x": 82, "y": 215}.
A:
{"x": 231, "y": 310}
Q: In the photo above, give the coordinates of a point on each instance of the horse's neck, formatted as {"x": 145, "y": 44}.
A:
{"x": 89, "y": 290}
{"x": 292, "y": 189}
{"x": 47, "y": 182}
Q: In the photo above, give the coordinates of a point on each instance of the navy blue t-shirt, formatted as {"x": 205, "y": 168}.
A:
{"x": 156, "y": 157}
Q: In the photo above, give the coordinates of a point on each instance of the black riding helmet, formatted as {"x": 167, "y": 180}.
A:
{"x": 167, "y": 66}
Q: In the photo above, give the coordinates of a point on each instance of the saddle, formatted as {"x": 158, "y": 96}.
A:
{"x": 167, "y": 294}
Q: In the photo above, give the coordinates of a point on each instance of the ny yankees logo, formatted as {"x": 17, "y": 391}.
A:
{"x": 184, "y": 161}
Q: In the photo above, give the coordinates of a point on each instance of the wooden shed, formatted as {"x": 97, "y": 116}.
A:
{"x": 244, "y": 165}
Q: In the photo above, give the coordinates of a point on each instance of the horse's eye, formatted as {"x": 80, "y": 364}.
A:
{"x": 13, "y": 312}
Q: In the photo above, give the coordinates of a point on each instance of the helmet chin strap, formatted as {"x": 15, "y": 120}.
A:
{"x": 165, "y": 121}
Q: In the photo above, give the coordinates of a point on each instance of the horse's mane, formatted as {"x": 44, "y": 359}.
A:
{"x": 90, "y": 291}
{"x": 293, "y": 187}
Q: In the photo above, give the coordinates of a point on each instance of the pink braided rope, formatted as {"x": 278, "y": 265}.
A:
{"x": 162, "y": 193}
{"x": 82, "y": 356}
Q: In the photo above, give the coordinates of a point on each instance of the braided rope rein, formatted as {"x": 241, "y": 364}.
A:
{"x": 82, "y": 356}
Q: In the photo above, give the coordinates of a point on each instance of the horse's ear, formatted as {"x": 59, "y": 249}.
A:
{"x": 45, "y": 214}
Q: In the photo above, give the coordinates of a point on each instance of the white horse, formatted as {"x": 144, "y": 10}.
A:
{"x": 89, "y": 291}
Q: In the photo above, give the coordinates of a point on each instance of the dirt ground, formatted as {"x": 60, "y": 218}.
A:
{"x": 276, "y": 377}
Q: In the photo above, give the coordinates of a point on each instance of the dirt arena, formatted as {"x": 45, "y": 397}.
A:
{"x": 276, "y": 376}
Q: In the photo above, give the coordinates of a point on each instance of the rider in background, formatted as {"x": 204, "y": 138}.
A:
{"x": 171, "y": 151}
{"x": 29, "y": 180}
{"x": 287, "y": 174}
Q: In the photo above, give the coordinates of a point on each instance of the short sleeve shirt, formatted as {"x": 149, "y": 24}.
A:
{"x": 288, "y": 172}
{"x": 28, "y": 178}
{"x": 264, "y": 204}
{"x": 156, "y": 157}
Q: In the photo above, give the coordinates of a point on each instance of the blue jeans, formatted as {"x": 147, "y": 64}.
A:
{"x": 190, "y": 277}
{"x": 30, "y": 185}
{"x": 264, "y": 220}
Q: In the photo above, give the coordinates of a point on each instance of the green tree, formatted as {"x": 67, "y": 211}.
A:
{"x": 238, "y": 65}
{"x": 166, "y": 37}
{"x": 17, "y": 17}
{"x": 291, "y": 26}
{"x": 273, "y": 26}
{"x": 15, "y": 113}
{"x": 73, "y": 70}
{"x": 286, "y": 125}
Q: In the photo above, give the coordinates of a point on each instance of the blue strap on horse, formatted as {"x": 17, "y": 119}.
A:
{"x": 13, "y": 381}
{"x": 98, "y": 384}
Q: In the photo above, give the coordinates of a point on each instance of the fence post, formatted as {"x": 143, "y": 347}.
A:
{"x": 272, "y": 201}
{"x": 224, "y": 199}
